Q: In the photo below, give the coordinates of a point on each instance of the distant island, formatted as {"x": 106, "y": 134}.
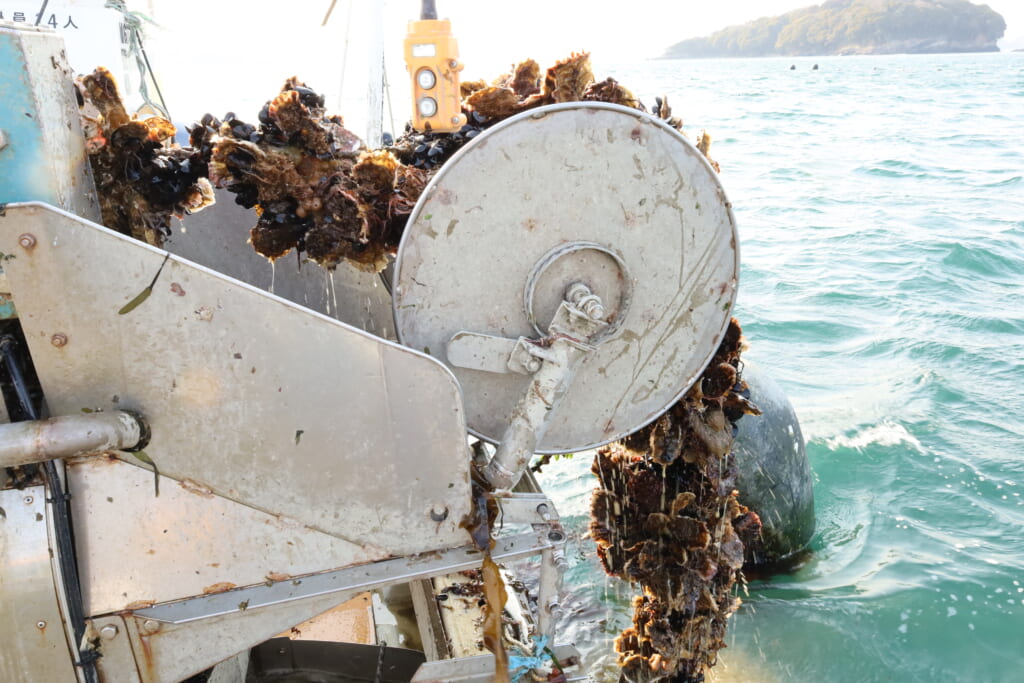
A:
{"x": 857, "y": 27}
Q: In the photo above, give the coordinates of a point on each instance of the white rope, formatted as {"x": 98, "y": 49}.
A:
{"x": 344, "y": 53}
{"x": 133, "y": 21}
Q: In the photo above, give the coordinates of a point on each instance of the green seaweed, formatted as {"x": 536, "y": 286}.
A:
{"x": 141, "y": 456}
{"x": 144, "y": 294}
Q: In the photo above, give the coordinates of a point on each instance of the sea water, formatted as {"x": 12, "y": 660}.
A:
{"x": 880, "y": 205}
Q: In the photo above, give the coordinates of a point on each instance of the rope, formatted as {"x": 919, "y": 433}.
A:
{"x": 329, "y": 10}
{"x": 387, "y": 95}
{"x": 133, "y": 21}
{"x": 344, "y": 53}
{"x": 42, "y": 10}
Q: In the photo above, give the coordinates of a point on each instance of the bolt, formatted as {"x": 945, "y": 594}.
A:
{"x": 533, "y": 365}
{"x": 108, "y": 632}
{"x": 577, "y": 291}
{"x": 28, "y": 500}
{"x": 40, "y": 625}
{"x": 27, "y": 240}
{"x": 593, "y": 308}
{"x": 4, "y": 140}
{"x": 455, "y": 120}
{"x": 556, "y": 536}
{"x": 150, "y": 626}
{"x": 59, "y": 339}
{"x": 584, "y": 299}
{"x": 542, "y": 510}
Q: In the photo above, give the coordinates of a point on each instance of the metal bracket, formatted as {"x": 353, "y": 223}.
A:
{"x": 500, "y": 355}
{"x": 526, "y": 508}
{"x": 573, "y": 322}
{"x": 362, "y": 577}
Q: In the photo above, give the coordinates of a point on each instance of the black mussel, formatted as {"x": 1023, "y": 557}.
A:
{"x": 309, "y": 97}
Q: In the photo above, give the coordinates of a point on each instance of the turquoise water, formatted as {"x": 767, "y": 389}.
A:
{"x": 880, "y": 203}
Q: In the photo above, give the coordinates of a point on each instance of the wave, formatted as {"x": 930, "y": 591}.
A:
{"x": 886, "y": 433}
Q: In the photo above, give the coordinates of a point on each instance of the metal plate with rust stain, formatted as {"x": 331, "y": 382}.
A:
{"x": 259, "y": 400}
{"x": 587, "y": 173}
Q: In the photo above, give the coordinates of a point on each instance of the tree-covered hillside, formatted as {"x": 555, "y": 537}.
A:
{"x": 839, "y": 27}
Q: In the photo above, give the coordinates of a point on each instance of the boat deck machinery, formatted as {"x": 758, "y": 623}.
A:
{"x": 561, "y": 282}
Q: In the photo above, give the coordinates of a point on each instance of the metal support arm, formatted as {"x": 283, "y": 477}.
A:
{"x": 558, "y": 356}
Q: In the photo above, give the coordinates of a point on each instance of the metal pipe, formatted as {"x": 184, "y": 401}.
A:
{"x": 22, "y": 443}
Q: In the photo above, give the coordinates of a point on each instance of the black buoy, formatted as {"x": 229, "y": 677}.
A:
{"x": 774, "y": 476}
{"x": 792, "y": 67}
{"x": 814, "y": 68}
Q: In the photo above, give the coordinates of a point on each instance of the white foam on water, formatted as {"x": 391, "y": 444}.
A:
{"x": 886, "y": 433}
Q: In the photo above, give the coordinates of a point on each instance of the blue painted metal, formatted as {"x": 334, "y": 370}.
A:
{"x": 22, "y": 160}
{"x": 7, "y": 308}
{"x": 24, "y": 169}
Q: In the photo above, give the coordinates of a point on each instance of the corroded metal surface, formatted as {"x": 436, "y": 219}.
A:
{"x": 184, "y": 541}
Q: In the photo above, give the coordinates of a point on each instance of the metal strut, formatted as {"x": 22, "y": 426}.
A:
{"x": 553, "y": 362}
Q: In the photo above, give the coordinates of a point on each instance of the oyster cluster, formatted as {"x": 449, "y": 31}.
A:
{"x": 665, "y": 516}
{"x": 142, "y": 178}
{"x": 314, "y": 185}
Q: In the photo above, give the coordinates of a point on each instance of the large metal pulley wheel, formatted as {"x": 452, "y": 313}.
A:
{"x": 588, "y": 193}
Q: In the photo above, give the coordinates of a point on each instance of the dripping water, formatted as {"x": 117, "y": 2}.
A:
{"x": 327, "y": 291}
{"x": 334, "y": 292}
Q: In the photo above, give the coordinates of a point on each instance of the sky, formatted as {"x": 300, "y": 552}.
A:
{"x": 236, "y": 54}
{"x": 630, "y": 29}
